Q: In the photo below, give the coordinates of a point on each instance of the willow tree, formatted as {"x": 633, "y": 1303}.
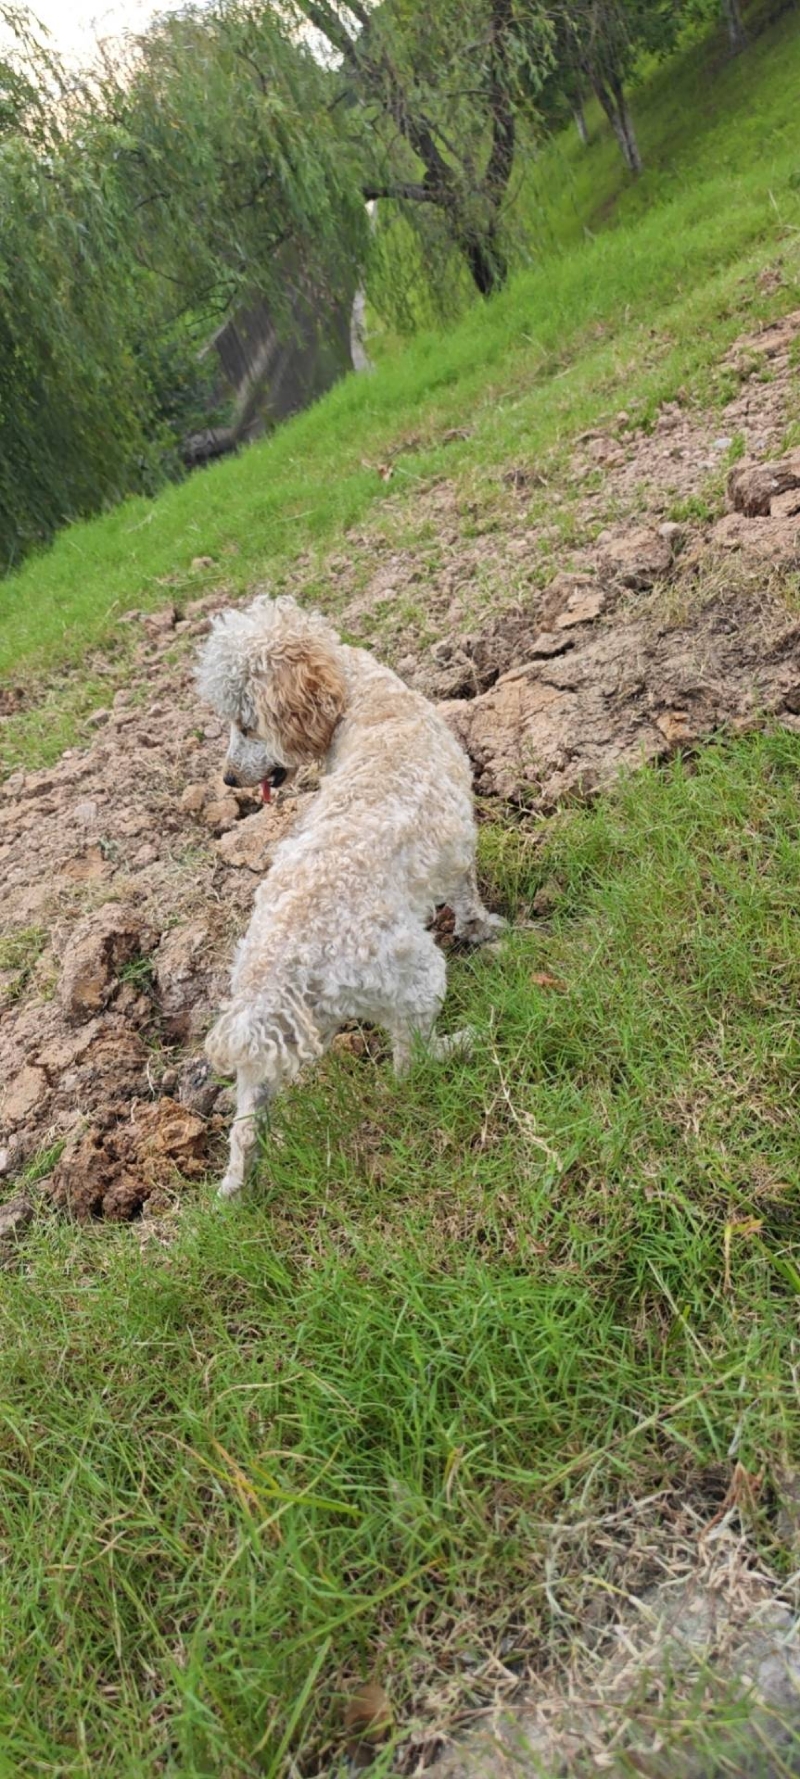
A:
{"x": 598, "y": 46}
{"x": 434, "y": 94}
{"x": 139, "y": 203}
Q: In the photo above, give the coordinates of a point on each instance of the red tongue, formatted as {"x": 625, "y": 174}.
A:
{"x": 266, "y": 790}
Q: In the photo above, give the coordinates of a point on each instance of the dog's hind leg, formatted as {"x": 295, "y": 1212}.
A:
{"x": 413, "y": 1016}
{"x": 473, "y": 922}
{"x": 251, "y": 1096}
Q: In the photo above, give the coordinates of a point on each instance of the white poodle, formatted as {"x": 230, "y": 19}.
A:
{"x": 338, "y": 931}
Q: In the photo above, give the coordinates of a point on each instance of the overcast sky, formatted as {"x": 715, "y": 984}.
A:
{"x": 75, "y": 25}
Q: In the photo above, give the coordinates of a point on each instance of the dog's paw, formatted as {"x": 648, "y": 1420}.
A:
{"x": 461, "y": 1043}
{"x": 482, "y": 929}
{"x": 229, "y": 1187}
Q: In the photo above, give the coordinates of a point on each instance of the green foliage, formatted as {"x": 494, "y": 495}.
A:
{"x": 230, "y": 160}
{"x": 138, "y": 207}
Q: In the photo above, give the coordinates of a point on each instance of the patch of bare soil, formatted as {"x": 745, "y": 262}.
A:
{"x": 698, "y": 1675}
{"x": 126, "y": 873}
{"x": 127, "y": 869}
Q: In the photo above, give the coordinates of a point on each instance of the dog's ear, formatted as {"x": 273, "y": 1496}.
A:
{"x": 300, "y": 694}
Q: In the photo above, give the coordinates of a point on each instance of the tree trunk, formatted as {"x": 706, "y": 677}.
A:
{"x": 580, "y": 122}
{"x": 737, "y": 35}
{"x": 487, "y": 262}
{"x": 615, "y": 105}
{"x": 633, "y": 159}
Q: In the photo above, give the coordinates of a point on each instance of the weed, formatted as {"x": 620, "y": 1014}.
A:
{"x": 19, "y": 954}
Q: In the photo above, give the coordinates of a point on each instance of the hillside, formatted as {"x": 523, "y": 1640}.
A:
{"x": 487, "y": 1359}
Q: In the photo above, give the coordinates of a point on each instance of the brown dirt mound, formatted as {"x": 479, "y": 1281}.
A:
{"x": 113, "y": 1173}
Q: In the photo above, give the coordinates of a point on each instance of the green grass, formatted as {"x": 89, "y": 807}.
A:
{"x": 629, "y": 316}
{"x": 19, "y": 955}
{"x": 323, "y": 1434}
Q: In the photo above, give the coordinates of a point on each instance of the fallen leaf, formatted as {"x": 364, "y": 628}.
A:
{"x": 541, "y": 979}
{"x": 368, "y": 1714}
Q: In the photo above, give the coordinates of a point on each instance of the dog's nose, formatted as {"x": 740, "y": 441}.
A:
{"x": 229, "y": 778}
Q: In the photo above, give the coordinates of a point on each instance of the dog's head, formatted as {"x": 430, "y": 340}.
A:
{"x": 273, "y": 672}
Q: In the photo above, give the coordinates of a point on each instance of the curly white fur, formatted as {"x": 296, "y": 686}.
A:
{"x": 339, "y": 927}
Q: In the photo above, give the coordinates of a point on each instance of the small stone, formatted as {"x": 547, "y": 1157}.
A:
{"x": 202, "y": 562}
{"x": 98, "y": 718}
{"x": 722, "y": 444}
{"x": 671, "y": 531}
{"x": 15, "y": 1216}
{"x": 5, "y": 1161}
{"x": 85, "y": 811}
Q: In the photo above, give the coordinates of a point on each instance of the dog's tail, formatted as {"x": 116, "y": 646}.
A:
{"x": 255, "y": 1034}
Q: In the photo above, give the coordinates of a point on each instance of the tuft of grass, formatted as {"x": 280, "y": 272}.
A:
{"x": 19, "y": 954}
{"x": 326, "y": 1433}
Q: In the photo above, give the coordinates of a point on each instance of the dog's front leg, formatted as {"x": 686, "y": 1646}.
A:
{"x": 473, "y": 922}
{"x": 251, "y": 1095}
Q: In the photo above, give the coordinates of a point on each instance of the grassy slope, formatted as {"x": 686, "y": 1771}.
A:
{"x": 324, "y": 1434}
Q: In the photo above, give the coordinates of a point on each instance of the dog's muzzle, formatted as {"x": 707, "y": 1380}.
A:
{"x": 273, "y": 779}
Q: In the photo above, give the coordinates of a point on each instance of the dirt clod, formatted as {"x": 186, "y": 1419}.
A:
{"x": 15, "y": 1216}
{"x": 184, "y": 971}
{"x": 112, "y": 1173}
{"x": 221, "y": 814}
{"x": 101, "y": 946}
{"x": 640, "y": 557}
{"x": 752, "y": 487}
